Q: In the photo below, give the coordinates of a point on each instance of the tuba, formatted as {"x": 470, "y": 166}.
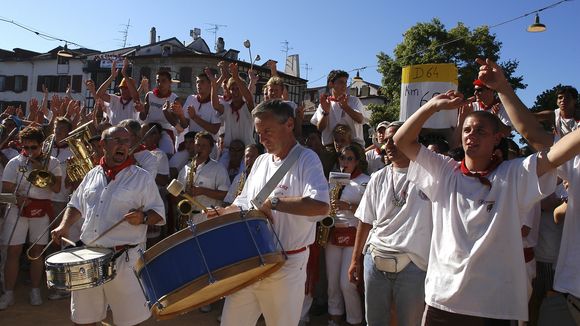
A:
{"x": 42, "y": 178}
{"x": 79, "y": 143}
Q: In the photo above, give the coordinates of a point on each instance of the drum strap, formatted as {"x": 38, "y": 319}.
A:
{"x": 292, "y": 157}
{"x": 119, "y": 250}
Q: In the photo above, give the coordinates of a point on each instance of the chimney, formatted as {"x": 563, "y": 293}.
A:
{"x": 220, "y": 45}
{"x": 153, "y": 34}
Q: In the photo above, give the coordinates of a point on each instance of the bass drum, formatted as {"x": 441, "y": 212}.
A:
{"x": 199, "y": 265}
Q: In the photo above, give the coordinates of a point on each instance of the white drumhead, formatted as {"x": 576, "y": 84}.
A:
{"x": 75, "y": 255}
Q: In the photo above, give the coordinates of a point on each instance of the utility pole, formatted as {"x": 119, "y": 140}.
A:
{"x": 307, "y": 68}
{"x": 286, "y": 48}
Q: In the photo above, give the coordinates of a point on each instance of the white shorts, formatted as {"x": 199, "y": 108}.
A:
{"x": 33, "y": 227}
{"x": 123, "y": 295}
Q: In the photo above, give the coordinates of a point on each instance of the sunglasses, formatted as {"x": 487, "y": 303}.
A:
{"x": 480, "y": 90}
{"x": 30, "y": 148}
{"x": 346, "y": 158}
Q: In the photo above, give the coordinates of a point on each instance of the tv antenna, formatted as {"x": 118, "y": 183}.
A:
{"x": 125, "y": 33}
{"x": 286, "y": 48}
{"x": 214, "y": 30}
{"x": 307, "y": 67}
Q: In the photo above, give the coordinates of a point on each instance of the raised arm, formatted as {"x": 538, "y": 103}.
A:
{"x": 522, "y": 119}
{"x": 562, "y": 151}
{"x": 130, "y": 85}
{"x": 215, "y": 100}
{"x": 102, "y": 91}
{"x": 407, "y": 135}
{"x": 243, "y": 87}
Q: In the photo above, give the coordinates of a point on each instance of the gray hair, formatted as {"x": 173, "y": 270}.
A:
{"x": 280, "y": 109}
{"x": 132, "y": 125}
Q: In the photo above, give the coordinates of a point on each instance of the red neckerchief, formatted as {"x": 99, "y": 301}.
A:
{"x": 140, "y": 148}
{"x": 111, "y": 172}
{"x": 493, "y": 164}
{"x": 156, "y": 93}
{"x": 378, "y": 150}
{"x": 236, "y": 110}
{"x": 488, "y": 107}
{"x": 227, "y": 98}
{"x": 332, "y": 98}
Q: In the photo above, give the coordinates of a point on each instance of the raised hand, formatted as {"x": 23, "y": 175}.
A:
{"x": 234, "y": 70}
{"x": 343, "y": 101}
{"x": 144, "y": 84}
{"x": 447, "y": 101}
{"x": 114, "y": 71}
{"x": 325, "y": 102}
{"x": 125, "y": 66}
{"x": 212, "y": 78}
{"x": 177, "y": 108}
{"x": 491, "y": 74}
{"x": 192, "y": 113}
{"x": 139, "y": 106}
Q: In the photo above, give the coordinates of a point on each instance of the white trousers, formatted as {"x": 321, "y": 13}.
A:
{"x": 278, "y": 297}
{"x": 341, "y": 292}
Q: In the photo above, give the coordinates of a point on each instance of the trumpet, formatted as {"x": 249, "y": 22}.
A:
{"x": 42, "y": 178}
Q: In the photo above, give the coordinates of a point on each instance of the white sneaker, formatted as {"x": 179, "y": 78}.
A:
{"x": 6, "y": 300}
{"x": 35, "y": 297}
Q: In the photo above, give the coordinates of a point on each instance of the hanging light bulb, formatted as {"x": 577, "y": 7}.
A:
{"x": 536, "y": 27}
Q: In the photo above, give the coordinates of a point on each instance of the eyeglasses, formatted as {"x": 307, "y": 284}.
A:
{"x": 30, "y": 148}
{"x": 119, "y": 141}
{"x": 346, "y": 158}
{"x": 480, "y": 90}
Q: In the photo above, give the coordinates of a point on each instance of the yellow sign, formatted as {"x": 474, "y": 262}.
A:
{"x": 438, "y": 72}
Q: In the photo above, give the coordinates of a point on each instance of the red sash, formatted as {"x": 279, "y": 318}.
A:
{"x": 36, "y": 208}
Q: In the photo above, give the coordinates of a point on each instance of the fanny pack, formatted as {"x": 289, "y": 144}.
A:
{"x": 574, "y": 307}
{"x": 389, "y": 262}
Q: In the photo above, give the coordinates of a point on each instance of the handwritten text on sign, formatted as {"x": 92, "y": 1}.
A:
{"x": 419, "y": 83}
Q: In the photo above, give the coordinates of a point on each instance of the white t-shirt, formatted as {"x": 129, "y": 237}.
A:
{"x": 10, "y": 153}
{"x": 147, "y": 161}
{"x": 405, "y": 229}
{"x": 231, "y": 195}
{"x": 531, "y": 219}
{"x": 564, "y": 126}
{"x": 550, "y": 235}
{"x": 162, "y": 161}
{"x": 352, "y": 194}
{"x": 62, "y": 154}
{"x": 13, "y": 174}
{"x": 204, "y": 111}
{"x": 476, "y": 264}
{"x": 179, "y": 160}
{"x": 304, "y": 179}
{"x": 241, "y": 128}
{"x": 118, "y": 112}
{"x": 156, "y": 109}
{"x": 103, "y": 204}
{"x": 211, "y": 175}
{"x": 338, "y": 116}
{"x": 375, "y": 161}
{"x": 501, "y": 114}
{"x": 567, "y": 278}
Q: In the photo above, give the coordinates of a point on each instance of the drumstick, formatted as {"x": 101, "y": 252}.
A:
{"x": 113, "y": 226}
{"x": 68, "y": 241}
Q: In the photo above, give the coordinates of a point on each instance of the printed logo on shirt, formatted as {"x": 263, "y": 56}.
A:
{"x": 489, "y": 204}
{"x": 285, "y": 187}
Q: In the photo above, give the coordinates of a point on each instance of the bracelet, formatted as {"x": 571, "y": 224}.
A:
{"x": 145, "y": 217}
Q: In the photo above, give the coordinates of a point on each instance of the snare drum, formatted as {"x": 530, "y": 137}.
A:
{"x": 79, "y": 268}
{"x": 199, "y": 265}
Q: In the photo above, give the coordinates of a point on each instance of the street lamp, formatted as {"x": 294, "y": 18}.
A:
{"x": 536, "y": 27}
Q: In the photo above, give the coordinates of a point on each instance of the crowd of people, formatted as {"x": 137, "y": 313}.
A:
{"x": 468, "y": 230}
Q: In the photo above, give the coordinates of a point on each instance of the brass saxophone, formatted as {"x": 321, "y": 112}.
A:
{"x": 241, "y": 183}
{"x": 324, "y": 226}
{"x": 185, "y": 207}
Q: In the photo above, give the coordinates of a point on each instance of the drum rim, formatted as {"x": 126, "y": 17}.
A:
{"x": 276, "y": 260}
{"x": 109, "y": 253}
{"x": 184, "y": 235}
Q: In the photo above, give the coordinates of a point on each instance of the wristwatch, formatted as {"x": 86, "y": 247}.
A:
{"x": 145, "y": 217}
{"x": 274, "y": 202}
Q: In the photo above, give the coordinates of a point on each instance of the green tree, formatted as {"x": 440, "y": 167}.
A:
{"x": 432, "y": 43}
{"x": 383, "y": 112}
{"x": 546, "y": 100}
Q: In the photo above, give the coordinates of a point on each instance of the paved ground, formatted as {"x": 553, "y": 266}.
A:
{"x": 57, "y": 313}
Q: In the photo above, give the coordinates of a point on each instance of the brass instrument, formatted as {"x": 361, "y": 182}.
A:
{"x": 79, "y": 143}
{"x": 184, "y": 206}
{"x": 324, "y": 226}
{"x": 42, "y": 178}
{"x": 241, "y": 183}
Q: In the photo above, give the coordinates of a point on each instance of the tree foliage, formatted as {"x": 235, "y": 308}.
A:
{"x": 547, "y": 100}
{"x": 432, "y": 43}
{"x": 383, "y": 112}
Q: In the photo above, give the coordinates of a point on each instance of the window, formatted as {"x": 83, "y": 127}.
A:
{"x": 2, "y": 83}
{"x": 185, "y": 77}
{"x": 20, "y": 83}
{"x": 166, "y": 50}
{"x": 77, "y": 83}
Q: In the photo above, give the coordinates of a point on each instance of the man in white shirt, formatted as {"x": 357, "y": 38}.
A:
{"x": 295, "y": 205}
{"x": 373, "y": 155}
{"x": 397, "y": 215}
{"x": 112, "y": 191}
{"x": 339, "y": 108}
{"x": 142, "y": 155}
{"x": 476, "y": 245}
{"x": 200, "y": 112}
{"x": 30, "y": 216}
{"x": 120, "y": 107}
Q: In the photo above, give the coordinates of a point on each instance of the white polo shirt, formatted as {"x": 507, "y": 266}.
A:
{"x": 304, "y": 179}
{"x": 147, "y": 161}
{"x": 156, "y": 109}
{"x": 10, "y": 153}
{"x": 338, "y": 116}
{"x": 405, "y": 229}
{"x": 203, "y": 110}
{"x": 211, "y": 175}
{"x": 103, "y": 204}
{"x": 162, "y": 161}
{"x": 375, "y": 160}
{"x": 19, "y": 166}
{"x": 567, "y": 278}
{"x": 476, "y": 264}
{"x": 179, "y": 160}
{"x": 62, "y": 154}
{"x": 352, "y": 194}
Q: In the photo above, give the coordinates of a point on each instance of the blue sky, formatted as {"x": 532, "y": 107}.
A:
{"x": 327, "y": 34}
